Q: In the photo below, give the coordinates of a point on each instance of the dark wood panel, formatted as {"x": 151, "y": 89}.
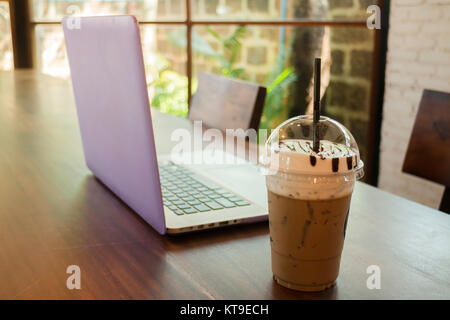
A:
{"x": 21, "y": 34}
{"x": 428, "y": 154}
{"x": 54, "y": 213}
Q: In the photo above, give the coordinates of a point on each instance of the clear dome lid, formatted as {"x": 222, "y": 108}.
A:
{"x": 290, "y": 148}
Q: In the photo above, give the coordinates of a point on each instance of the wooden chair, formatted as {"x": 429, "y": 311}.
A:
{"x": 226, "y": 103}
{"x": 428, "y": 154}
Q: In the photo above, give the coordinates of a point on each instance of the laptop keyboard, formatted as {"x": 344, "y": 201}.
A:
{"x": 184, "y": 192}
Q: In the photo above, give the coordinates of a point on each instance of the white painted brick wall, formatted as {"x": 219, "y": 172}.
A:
{"x": 418, "y": 58}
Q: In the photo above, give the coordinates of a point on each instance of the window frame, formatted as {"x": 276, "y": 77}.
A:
{"x": 13, "y": 37}
{"x": 378, "y": 63}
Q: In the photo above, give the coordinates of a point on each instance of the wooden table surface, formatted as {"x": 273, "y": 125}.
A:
{"x": 54, "y": 213}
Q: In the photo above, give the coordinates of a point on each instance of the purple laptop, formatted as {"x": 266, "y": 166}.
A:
{"x": 108, "y": 78}
{"x": 112, "y": 104}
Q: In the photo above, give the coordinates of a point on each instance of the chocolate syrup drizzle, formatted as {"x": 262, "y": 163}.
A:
{"x": 291, "y": 148}
{"x": 314, "y": 156}
{"x": 349, "y": 163}
{"x": 335, "y": 164}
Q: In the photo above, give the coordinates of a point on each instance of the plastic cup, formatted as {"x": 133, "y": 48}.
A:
{"x": 309, "y": 196}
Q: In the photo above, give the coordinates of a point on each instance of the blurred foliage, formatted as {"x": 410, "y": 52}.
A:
{"x": 230, "y": 48}
{"x": 170, "y": 87}
{"x": 277, "y": 81}
{"x": 170, "y": 93}
{"x": 273, "y": 112}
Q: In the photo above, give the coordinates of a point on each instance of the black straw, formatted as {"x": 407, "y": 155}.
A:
{"x": 316, "y": 114}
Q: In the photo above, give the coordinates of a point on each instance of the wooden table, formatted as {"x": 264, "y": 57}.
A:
{"x": 54, "y": 213}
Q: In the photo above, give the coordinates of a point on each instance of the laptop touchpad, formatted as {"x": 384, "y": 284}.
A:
{"x": 245, "y": 180}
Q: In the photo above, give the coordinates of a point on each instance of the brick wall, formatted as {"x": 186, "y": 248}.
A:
{"x": 418, "y": 57}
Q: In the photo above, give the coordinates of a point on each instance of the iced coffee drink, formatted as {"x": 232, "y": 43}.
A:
{"x": 309, "y": 195}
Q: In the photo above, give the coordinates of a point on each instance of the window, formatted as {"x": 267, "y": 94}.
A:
{"x": 6, "y": 46}
{"x": 272, "y": 42}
